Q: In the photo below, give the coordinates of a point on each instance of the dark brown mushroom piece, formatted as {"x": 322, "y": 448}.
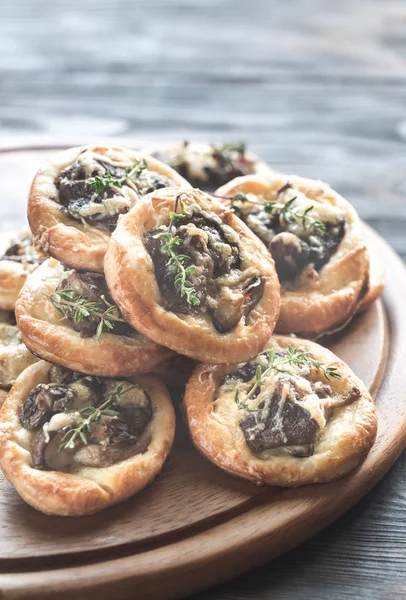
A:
{"x": 96, "y": 455}
{"x": 39, "y": 448}
{"x": 290, "y": 254}
{"x": 43, "y": 401}
{"x": 323, "y": 247}
{"x": 286, "y": 423}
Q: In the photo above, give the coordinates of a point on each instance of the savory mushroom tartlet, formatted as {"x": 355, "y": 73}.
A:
{"x": 73, "y": 444}
{"x": 187, "y": 272}
{"x": 76, "y": 199}
{"x": 294, "y": 415}
{"x": 19, "y": 258}
{"x": 316, "y": 240}
{"x": 208, "y": 166}
{"x": 69, "y": 318}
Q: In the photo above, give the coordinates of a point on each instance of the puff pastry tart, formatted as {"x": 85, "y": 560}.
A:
{"x": 294, "y": 415}
{"x": 207, "y": 166}
{"x": 316, "y": 240}
{"x": 18, "y": 259}
{"x": 76, "y": 199}
{"x": 189, "y": 274}
{"x": 68, "y": 317}
{"x": 14, "y": 355}
{"x": 73, "y": 444}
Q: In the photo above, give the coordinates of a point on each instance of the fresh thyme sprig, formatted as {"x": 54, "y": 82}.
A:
{"x": 178, "y": 260}
{"x": 288, "y": 212}
{"x": 295, "y": 357}
{"x": 268, "y": 205}
{"x": 78, "y": 308}
{"x": 93, "y": 414}
{"x": 100, "y": 183}
{"x": 308, "y": 222}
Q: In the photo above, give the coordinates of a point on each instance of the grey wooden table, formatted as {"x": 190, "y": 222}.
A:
{"x": 316, "y": 87}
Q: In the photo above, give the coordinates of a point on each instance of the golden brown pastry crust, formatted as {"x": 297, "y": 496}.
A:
{"x": 12, "y": 274}
{"x": 3, "y": 396}
{"x": 52, "y": 337}
{"x": 131, "y": 279}
{"x": 76, "y": 244}
{"x": 312, "y": 307}
{"x": 90, "y": 489}
{"x": 342, "y": 446}
{"x": 376, "y": 283}
{"x": 14, "y": 355}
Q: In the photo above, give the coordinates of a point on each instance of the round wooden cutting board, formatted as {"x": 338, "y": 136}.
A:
{"x": 195, "y": 526}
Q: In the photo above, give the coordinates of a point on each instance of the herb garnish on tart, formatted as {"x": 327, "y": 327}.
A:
{"x": 198, "y": 266}
{"x": 84, "y": 299}
{"x": 85, "y": 420}
{"x": 97, "y": 189}
{"x": 297, "y": 232}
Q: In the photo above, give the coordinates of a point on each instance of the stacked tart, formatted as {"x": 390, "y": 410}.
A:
{"x": 176, "y": 265}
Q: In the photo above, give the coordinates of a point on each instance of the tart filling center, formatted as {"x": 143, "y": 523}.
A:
{"x": 80, "y": 420}
{"x": 24, "y": 252}
{"x": 300, "y": 233}
{"x": 281, "y": 405}
{"x": 84, "y": 300}
{"x": 96, "y": 189}
{"x": 198, "y": 267}
{"x": 209, "y": 167}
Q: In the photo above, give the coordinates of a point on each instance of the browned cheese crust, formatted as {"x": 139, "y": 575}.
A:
{"x": 53, "y": 338}
{"x": 130, "y": 276}
{"x": 90, "y": 489}
{"x": 78, "y": 244}
{"x": 214, "y": 425}
{"x": 323, "y": 302}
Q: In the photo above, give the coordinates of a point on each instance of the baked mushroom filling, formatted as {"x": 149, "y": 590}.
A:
{"x": 299, "y": 233}
{"x": 198, "y": 267}
{"x": 209, "y": 169}
{"x": 84, "y": 300}
{"x": 97, "y": 189}
{"x": 283, "y": 406}
{"x": 24, "y": 252}
{"x": 84, "y": 421}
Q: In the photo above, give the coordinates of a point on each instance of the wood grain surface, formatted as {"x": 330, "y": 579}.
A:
{"x": 316, "y": 87}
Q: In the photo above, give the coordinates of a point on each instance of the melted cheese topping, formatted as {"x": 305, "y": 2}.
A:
{"x": 229, "y": 414}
